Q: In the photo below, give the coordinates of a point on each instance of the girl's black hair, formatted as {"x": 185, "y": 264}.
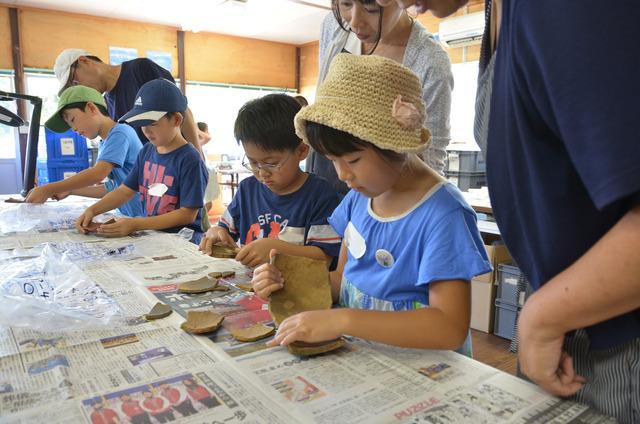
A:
{"x": 335, "y": 7}
{"x": 330, "y": 141}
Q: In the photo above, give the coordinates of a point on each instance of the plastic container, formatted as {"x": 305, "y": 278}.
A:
{"x": 467, "y": 180}
{"x": 66, "y": 146}
{"x": 465, "y": 161}
{"x": 508, "y": 276}
{"x": 50, "y": 171}
{"x": 506, "y": 315}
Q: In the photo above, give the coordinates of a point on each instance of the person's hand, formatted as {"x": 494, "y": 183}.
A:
{"x": 215, "y": 235}
{"x": 257, "y": 252}
{"x": 310, "y": 327}
{"x": 84, "y": 221}
{"x": 122, "y": 227}
{"x": 541, "y": 356}
{"x": 38, "y": 194}
{"x": 267, "y": 278}
{"x": 61, "y": 195}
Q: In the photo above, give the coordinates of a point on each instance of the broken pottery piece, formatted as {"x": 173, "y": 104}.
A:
{"x": 245, "y": 287}
{"x": 159, "y": 310}
{"x": 306, "y": 287}
{"x": 199, "y": 322}
{"x": 93, "y": 226}
{"x": 310, "y": 349}
{"x": 200, "y": 285}
{"x": 224, "y": 252}
{"x": 253, "y": 333}
{"x": 222, "y": 274}
{"x": 14, "y": 200}
{"x": 220, "y": 288}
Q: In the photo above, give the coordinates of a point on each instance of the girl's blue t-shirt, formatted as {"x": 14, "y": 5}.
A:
{"x": 394, "y": 259}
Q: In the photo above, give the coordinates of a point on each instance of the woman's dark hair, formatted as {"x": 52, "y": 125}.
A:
{"x": 330, "y": 141}
{"x": 83, "y": 106}
{"x": 336, "y": 13}
{"x": 267, "y": 122}
{"x": 202, "y": 126}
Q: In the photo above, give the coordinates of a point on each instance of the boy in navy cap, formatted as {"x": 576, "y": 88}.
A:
{"x": 169, "y": 173}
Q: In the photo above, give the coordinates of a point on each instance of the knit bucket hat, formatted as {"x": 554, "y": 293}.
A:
{"x": 373, "y": 98}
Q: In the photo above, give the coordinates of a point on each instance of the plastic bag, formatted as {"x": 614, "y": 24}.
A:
{"x": 50, "y": 292}
{"x": 45, "y": 217}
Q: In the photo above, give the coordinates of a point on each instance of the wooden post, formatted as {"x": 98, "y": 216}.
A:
{"x": 181, "y": 70}
{"x": 18, "y": 79}
{"x": 298, "y": 70}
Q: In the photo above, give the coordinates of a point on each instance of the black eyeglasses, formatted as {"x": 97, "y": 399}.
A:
{"x": 255, "y": 167}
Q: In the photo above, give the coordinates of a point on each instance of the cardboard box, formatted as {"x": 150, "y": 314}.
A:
{"x": 483, "y": 290}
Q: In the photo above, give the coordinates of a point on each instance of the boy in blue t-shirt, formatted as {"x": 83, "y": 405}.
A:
{"x": 169, "y": 173}
{"x": 84, "y": 110}
{"x": 280, "y": 206}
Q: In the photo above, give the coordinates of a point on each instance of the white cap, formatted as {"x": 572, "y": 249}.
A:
{"x": 64, "y": 62}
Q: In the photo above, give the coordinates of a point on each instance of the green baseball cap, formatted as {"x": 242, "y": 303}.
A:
{"x": 74, "y": 94}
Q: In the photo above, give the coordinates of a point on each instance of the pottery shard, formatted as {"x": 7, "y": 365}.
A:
{"x": 200, "y": 285}
{"x": 306, "y": 287}
{"x": 14, "y": 200}
{"x": 310, "y": 349}
{"x": 93, "y": 226}
{"x": 159, "y": 310}
{"x": 225, "y": 252}
{"x": 245, "y": 287}
{"x": 253, "y": 333}
{"x": 199, "y": 322}
{"x": 222, "y": 274}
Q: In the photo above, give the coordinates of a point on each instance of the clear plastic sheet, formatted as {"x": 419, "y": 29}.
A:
{"x": 51, "y": 292}
{"x": 47, "y": 217}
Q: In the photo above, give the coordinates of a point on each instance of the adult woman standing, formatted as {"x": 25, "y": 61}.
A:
{"x": 365, "y": 27}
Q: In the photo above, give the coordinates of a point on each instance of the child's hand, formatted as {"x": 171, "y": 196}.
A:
{"x": 122, "y": 227}
{"x": 256, "y": 252}
{"x": 84, "y": 221}
{"x": 213, "y": 236}
{"x": 38, "y": 194}
{"x": 267, "y": 279}
{"x": 310, "y": 327}
{"x": 61, "y": 195}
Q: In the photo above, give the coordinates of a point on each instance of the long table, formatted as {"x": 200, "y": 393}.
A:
{"x": 115, "y": 366}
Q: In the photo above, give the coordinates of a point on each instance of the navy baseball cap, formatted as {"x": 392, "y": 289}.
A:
{"x": 155, "y": 99}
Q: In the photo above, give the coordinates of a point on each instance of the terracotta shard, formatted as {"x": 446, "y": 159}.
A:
{"x": 159, "y": 310}
{"x": 93, "y": 227}
{"x": 245, "y": 287}
{"x": 201, "y": 285}
{"x": 253, "y": 333}
{"x": 199, "y": 322}
{"x": 224, "y": 252}
{"x": 14, "y": 200}
{"x": 220, "y": 288}
{"x": 306, "y": 287}
{"x": 310, "y": 349}
{"x": 222, "y": 274}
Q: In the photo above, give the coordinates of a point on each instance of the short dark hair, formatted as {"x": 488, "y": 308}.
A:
{"x": 202, "y": 126}
{"x": 267, "y": 122}
{"x": 94, "y": 58}
{"x": 330, "y": 141}
{"x": 83, "y": 106}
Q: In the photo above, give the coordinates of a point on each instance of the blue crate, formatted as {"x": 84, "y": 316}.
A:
{"x": 465, "y": 161}
{"x": 66, "y": 146}
{"x": 50, "y": 171}
{"x": 506, "y": 315}
{"x": 467, "y": 180}
{"x": 508, "y": 276}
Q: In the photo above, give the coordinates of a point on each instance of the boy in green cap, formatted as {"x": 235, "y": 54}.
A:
{"x": 84, "y": 110}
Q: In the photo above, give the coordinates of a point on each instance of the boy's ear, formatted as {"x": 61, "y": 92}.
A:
{"x": 92, "y": 108}
{"x": 179, "y": 118}
{"x": 303, "y": 151}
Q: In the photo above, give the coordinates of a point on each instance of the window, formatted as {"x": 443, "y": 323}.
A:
{"x": 218, "y": 106}
{"x": 44, "y": 85}
{"x": 8, "y": 135}
{"x": 463, "y": 105}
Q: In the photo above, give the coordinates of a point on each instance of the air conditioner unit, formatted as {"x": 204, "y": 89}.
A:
{"x": 462, "y": 30}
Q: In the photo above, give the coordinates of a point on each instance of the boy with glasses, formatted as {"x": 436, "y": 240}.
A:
{"x": 280, "y": 206}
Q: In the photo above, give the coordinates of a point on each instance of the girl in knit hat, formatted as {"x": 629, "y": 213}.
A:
{"x": 410, "y": 241}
